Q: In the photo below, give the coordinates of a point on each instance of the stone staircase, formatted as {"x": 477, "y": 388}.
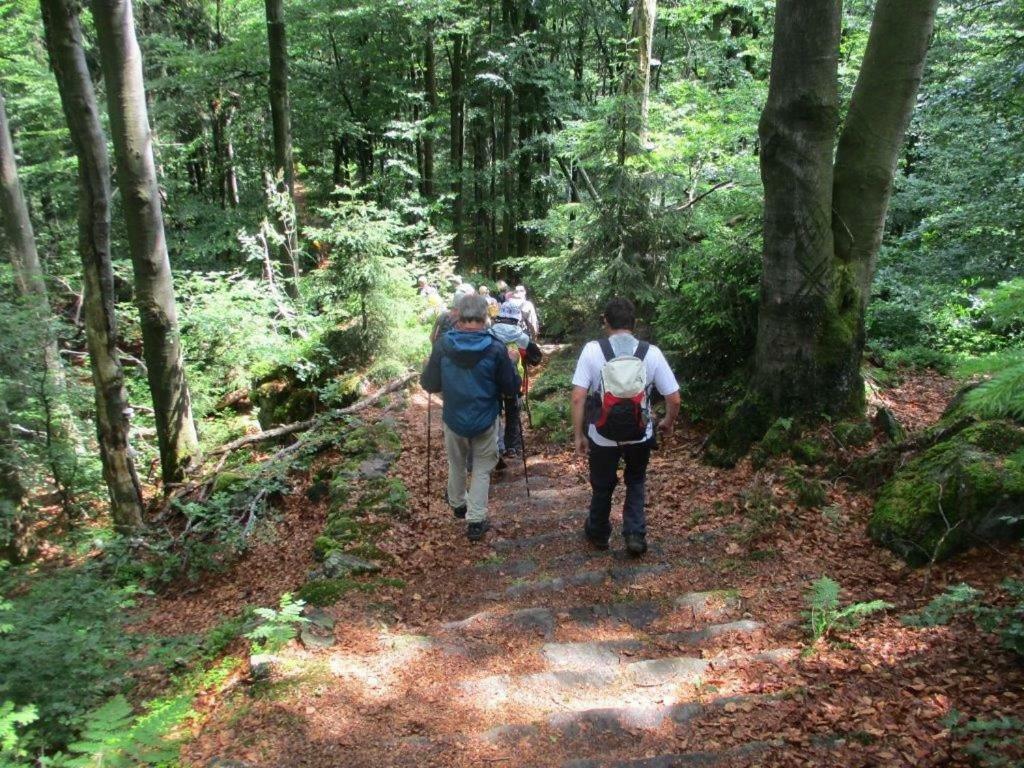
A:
{"x": 577, "y": 658}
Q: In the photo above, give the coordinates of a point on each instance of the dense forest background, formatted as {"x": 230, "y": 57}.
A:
{"x": 303, "y": 179}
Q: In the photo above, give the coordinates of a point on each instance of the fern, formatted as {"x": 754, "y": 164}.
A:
{"x": 1000, "y": 397}
{"x": 279, "y": 626}
{"x": 824, "y": 614}
{"x": 112, "y": 736}
{"x": 955, "y": 600}
{"x": 11, "y": 718}
{"x": 1004, "y": 305}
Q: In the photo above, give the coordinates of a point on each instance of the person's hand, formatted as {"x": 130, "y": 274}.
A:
{"x": 582, "y": 445}
{"x": 513, "y": 355}
{"x": 665, "y": 428}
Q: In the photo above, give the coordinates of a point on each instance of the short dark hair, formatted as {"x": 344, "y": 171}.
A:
{"x": 620, "y": 314}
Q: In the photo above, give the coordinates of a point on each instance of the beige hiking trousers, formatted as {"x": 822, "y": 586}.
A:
{"x": 484, "y": 449}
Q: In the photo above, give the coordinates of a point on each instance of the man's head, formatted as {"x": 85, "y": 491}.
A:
{"x": 619, "y": 315}
{"x": 421, "y": 281}
{"x": 501, "y": 286}
{"x": 520, "y": 292}
{"x": 472, "y": 310}
{"x": 483, "y": 290}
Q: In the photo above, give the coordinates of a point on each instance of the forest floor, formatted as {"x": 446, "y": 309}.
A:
{"x": 532, "y": 649}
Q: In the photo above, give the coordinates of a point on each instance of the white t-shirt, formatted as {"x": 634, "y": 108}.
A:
{"x": 588, "y": 375}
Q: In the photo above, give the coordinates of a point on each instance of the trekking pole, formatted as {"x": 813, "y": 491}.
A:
{"x": 430, "y": 402}
{"x": 526, "y": 471}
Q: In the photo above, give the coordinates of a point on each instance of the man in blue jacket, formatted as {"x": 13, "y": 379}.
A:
{"x": 473, "y": 371}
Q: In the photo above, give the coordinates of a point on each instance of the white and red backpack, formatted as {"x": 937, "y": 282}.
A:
{"x": 620, "y": 409}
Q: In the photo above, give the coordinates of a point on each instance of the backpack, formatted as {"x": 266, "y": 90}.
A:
{"x": 620, "y": 409}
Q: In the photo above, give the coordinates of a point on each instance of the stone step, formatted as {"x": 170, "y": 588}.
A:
{"x": 590, "y": 727}
{"x": 648, "y": 688}
{"x": 680, "y": 760}
{"x": 638, "y": 614}
{"x": 624, "y": 574}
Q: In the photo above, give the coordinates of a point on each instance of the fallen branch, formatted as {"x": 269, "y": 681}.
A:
{"x": 299, "y": 426}
{"x": 204, "y": 483}
{"x": 698, "y": 198}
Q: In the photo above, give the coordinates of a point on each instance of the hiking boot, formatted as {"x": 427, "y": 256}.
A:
{"x": 636, "y": 544}
{"x": 598, "y": 542}
{"x": 476, "y": 531}
{"x": 501, "y": 465}
{"x": 459, "y": 512}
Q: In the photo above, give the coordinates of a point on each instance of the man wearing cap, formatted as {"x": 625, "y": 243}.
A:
{"x": 472, "y": 371}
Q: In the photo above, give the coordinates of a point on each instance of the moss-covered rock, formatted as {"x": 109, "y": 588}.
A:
{"x": 853, "y": 434}
{"x": 282, "y": 399}
{"x": 808, "y": 451}
{"x": 383, "y": 495}
{"x": 744, "y": 424}
{"x": 962, "y": 491}
{"x": 326, "y": 591}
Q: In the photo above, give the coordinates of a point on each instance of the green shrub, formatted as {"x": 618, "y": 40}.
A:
{"x": 1006, "y": 621}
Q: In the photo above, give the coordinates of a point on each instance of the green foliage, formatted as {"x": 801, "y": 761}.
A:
{"x": 1006, "y": 620}
{"x": 12, "y": 749}
{"x": 992, "y": 742}
{"x": 82, "y": 615}
{"x": 825, "y": 615}
{"x": 957, "y": 599}
{"x": 278, "y": 626}
{"x": 113, "y": 736}
{"x": 1002, "y": 396}
{"x": 809, "y": 491}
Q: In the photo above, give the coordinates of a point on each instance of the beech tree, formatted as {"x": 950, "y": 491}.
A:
{"x": 824, "y": 218}
{"x": 154, "y": 288}
{"x": 13, "y": 528}
{"x": 67, "y": 58}
{"x": 16, "y": 227}
{"x": 281, "y": 120}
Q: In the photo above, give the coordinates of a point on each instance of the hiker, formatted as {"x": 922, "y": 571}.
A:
{"x": 424, "y": 288}
{"x": 612, "y": 420}
{"x": 530, "y": 319}
{"x": 446, "y": 321}
{"x": 501, "y": 291}
{"x": 492, "y": 303}
{"x": 472, "y": 370}
{"x": 522, "y": 351}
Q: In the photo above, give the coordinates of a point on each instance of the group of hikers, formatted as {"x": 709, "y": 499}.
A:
{"x": 483, "y": 348}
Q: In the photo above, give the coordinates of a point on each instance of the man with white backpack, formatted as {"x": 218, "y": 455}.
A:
{"x": 613, "y": 421}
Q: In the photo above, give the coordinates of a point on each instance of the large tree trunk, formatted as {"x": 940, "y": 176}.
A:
{"x": 823, "y": 221}
{"x": 14, "y": 528}
{"x": 154, "y": 288}
{"x": 797, "y": 368}
{"x": 869, "y": 147}
{"x": 430, "y": 86}
{"x": 280, "y": 110}
{"x": 67, "y": 57}
{"x": 281, "y": 117}
{"x": 636, "y": 86}
{"x": 51, "y": 390}
{"x": 458, "y": 139}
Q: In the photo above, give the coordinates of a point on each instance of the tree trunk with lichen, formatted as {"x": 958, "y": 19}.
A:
{"x": 67, "y": 58}
{"x": 121, "y": 60}
{"x": 824, "y": 218}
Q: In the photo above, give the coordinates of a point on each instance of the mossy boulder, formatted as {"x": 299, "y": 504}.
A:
{"x": 776, "y": 442}
{"x": 853, "y": 434}
{"x": 965, "y": 490}
{"x": 282, "y": 399}
{"x": 808, "y": 451}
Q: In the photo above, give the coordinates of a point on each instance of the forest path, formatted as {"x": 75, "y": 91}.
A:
{"x": 533, "y": 649}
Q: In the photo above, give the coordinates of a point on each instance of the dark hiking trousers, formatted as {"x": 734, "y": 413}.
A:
{"x": 513, "y": 438}
{"x": 604, "y": 476}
